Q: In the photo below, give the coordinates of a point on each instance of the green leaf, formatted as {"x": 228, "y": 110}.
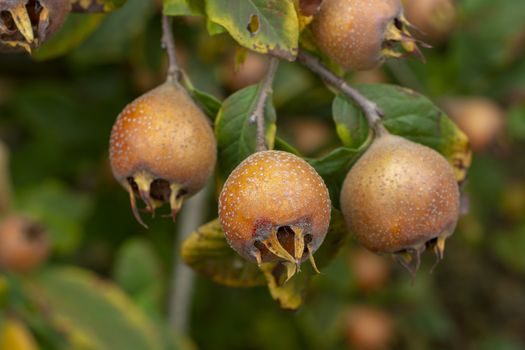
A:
{"x": 138, "y": 271}
{"x": 236, "y": 134}
{"x": 207, "y": 252}
{"x": 214, "y": 28}
{"x": 282, "y": 145}
{"x": 259, "y": 25}
{"x": 333, "y": 169}
{"x": 183, "y": 7}
{"x": 75, "y": 30}
{"x": 209, "y": 104}
{"x": 407, "y": 114}
{"x": 93, "y": 313}
{"x": 352, "y": 129}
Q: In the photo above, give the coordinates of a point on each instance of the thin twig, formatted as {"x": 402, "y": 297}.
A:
{"x": 168, "y": 43}
{"x": 192, "y": 216}
{"x": 264, "y": 91}
{"x": 371, "y": 110}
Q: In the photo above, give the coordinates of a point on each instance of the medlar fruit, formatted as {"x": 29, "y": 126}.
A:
{"x": 24, "y": 244}
{"x": 401, "y": 197}
{"x": 162, "y": 148}
{"x": 274, "y": 207}
{"x": 359, "y": 35}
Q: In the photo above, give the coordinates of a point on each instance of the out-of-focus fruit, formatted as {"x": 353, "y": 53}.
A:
{"x": 481, "y": 119}
{"x": 24, "y": 244}
{"x": 434, "y": 19}
{"x": 369, "y": 270}
{"x": 308, "y": 135}
{"x": 248, "y": 71}
{"x": 368, "y": 328}
{"x": 275, "y": 207}
{"x": 162, "y": 148}
{"x": 401, "y": 197}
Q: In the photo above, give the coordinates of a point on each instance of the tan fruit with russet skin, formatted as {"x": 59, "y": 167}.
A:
{"x": 368, "y": 328}
{"x": 434, "y": 19}
{"x": 400, "y": 198}
{"x": 359, "y": 35}
{"x": 162, "y": 148}
{"x": 370, "y": 271}
{"x": 275, "y": 207}
{"x": 481, "y": 119}
{"x": 27, "y": 24}
{"x": 24, "y": 244}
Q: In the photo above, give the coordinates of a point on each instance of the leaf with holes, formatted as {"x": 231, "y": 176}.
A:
{"x": 266, "y": 26}
{"x": 207, "y": 251}
{"x": 407, "y": 114}
{"x": 236, "y": 133}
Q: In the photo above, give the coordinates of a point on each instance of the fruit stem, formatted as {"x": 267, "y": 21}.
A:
{"x": 265, "y": 90}
{"x": 372, "y": 112}
{"x": 168, "y": 43}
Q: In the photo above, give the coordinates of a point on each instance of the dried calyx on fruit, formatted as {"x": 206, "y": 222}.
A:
{"x": 274, "y": 207}
{"x": 359, "y": 35}
{"x": 162, "y": 148}
{"x": 24, "y": 244}
{"x": 401, "y": 198}
{"x": 26, "y": 24}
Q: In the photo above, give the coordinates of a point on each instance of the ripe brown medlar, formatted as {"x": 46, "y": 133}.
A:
{"x": 24, "y": 244}
{"x": 359, "y": 35}
{"x": 162, "y": 148}
{"x": 27, "y": 24}
{"x": 401, "y": 197}
{"x": 274, "y": 207}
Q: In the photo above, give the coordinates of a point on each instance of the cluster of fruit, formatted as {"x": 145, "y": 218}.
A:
{"x": 399, "y": 198}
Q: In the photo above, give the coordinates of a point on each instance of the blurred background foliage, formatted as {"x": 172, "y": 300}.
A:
{"x": 56, "y": 113}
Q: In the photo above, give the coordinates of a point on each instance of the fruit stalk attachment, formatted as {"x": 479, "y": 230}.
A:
{"x": 372, "y": 112}
{"x": 265, "y": 90}
{"x": 168, "y": 43}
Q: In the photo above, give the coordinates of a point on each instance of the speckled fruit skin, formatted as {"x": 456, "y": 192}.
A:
{"x": 45, "y": 24}
{"x": 165, "y": 134}
{"x": 351, "y": 32}
{"x": 399, "y": 195}
{"x": 24, "y": 245}
{"x": 272, "y": 189}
